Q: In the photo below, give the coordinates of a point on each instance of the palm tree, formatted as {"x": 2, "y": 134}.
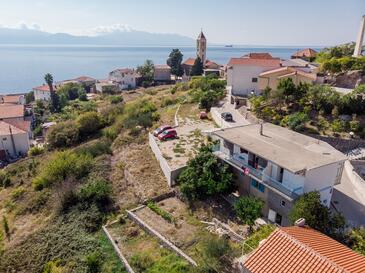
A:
{"x": 54, "y": 99}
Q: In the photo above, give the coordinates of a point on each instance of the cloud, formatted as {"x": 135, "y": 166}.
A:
{"x": 110, "y": 29}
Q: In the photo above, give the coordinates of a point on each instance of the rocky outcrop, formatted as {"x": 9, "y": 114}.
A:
{"x": 350, "y": 79}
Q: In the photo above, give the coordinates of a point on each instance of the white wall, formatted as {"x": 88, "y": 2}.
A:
{"x": 125, "y": 80}
{"x": 239, "y": 78}
{"x": 293, "y": 181}
{"x": 42, "y": 95}
{"x": 323, "y": 179}
{"x": 21, "y": 142}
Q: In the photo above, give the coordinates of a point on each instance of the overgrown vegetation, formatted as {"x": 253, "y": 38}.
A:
{"x": 164, "y": 214}
{"x": 205, "y": 176}
{"x": 248, "y": 209}
{"x": 312, "y": 108}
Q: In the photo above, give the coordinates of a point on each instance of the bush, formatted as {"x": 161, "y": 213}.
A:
{"x": 96, "y": 148}
{"x": 4, "y": 179}
{"x": 141, "y": 261}
{"x": 64, "y": 134}
{"x": 297, "y": 121}
{"x": 116, "y": 99}
{"x": 338, "y": 126}
{"x": 248, "y": 209}
{"x": 88, "y": 123}
{"x": 256, "y": 237}
{"x": 63, "y": 165}
{"x": 96, "y": 191}
{"x": 205, "y": 176}
{"x": 94, "y": 262}
{"x": 140, "y": 113}
{"x": 164, "y": 214}
{"x": 36, "y": 150}
{"x": 111, "y": 133}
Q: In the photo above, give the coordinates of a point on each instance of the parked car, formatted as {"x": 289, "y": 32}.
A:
{"x": 227, "y": 116}
{"x": 167, "y": 134}
{"x": 160, "y": 129}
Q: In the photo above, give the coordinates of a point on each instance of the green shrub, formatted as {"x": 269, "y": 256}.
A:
{"x": 164, "y": 214}
{"x": 338, "y": 126}
{"x": 169, "y": 263}
{"x": 63, "y": 165}
{"x": 297, "y": 121}
{"x": 252, "y": 242}
{"x": 168, "y": 101}
{"x": 141, "y": 261}
{"x": 17, "y": 193}
{"x": 97, "y": 191}
{"x": 88, "y": 123}
{"x": 115, "y": 99}
{"x": 140, "y": 113}
{"x": 64, "y": 134}
{"x": 354, "y": 125}
{"x": 96, "y": 148}
{"x": 36, "y": 150}
{"x": 111, "y": 132}
{"x": 94, "y": 262}
{"x": 248, "y": 209}
{"x": 4, "y": 179}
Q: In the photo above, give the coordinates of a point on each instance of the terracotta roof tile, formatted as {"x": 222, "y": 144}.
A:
{"x": 162, "y": 66}
{"x": 189, "y": 61}
{"x": 6, "y": 127}
{"x": 302, "y": 249}
{"x": 11, "y": 111}
{"x": 307, "y": 52}
{"x": 274, "y": 62}
{"x": 44, "y": 87}
{"x": 258, "y": 55}
{"x": 14, "y": 99}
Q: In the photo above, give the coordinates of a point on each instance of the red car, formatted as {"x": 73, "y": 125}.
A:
{"x": 167, "y": 134}
{"x": 160, "y": 129}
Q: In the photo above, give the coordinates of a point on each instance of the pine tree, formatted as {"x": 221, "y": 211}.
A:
{"x": 174, "y": 61}
{"x": 197, "y": 69}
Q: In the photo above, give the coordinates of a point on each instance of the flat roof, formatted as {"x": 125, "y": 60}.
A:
{"x": 286, "y": 148}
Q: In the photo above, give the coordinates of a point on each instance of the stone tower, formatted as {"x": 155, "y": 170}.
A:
{"x": 360, "y": 38}
{"x": 201, "y": 47}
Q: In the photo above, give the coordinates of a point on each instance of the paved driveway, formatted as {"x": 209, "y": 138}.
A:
{"x": 238, "y": 119}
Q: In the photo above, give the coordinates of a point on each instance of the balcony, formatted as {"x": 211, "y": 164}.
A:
{"x": 239, "y": 161}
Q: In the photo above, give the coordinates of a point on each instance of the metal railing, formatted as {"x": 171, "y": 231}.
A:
{"x": 240, "y": 162}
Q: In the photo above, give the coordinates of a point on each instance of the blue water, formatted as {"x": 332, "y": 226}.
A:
{"x": 23, "y": 67}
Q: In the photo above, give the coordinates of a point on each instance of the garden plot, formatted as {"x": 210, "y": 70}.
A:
{"x": 143, "y": 251}
{"x": 190, "y": 136}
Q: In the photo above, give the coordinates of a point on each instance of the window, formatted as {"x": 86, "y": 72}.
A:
{"x": 278, "y": 219}
{"x": 254, "y": 79}
{"x": 256, "y": 184}
{"x": 282, "y": 203}
{"x": 243, "y": 151}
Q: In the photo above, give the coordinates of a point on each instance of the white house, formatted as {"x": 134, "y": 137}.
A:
{"x": 243, "y": 73}
{"x": 42, "y": 92}
{"x": 14, "y": 141}
{"x": 278, "y": 165}
{"x": 125, "y": 78}
{"x": 162, "y": 73}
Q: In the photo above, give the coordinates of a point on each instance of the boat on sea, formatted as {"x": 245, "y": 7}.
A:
{"x": 228, "y": 46}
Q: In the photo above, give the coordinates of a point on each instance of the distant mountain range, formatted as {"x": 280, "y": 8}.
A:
{"x": 120, "y": 38}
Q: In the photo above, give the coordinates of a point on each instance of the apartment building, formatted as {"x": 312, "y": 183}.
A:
{"x": 278, "y": 165}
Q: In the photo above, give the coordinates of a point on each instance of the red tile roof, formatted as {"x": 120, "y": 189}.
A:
{"x": 302, "y": 249}
{"x": 162, "y": 66}
{"x": 6, "y": 127}
{"x": 189, "y": 61}
{"x": 13, "y": 99}
{"x": 260, "y": 55}
{"x": 274, "y": 62}
{"x": 307, "y": 52}
{"x": 20, "y": 124}
{"x": 11, "y": 111}
{"x": 84, "y": 79}
{"x": 43, "y": 87}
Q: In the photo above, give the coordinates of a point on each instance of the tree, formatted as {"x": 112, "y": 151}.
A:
{"x": 29, "y": 97}
{"x": 64, "y": 134}
{"x": 197, "y": 68}
{"x": 287, "y": 87}
{"x": 205, "y": 176}
{"x": 55, "y": 101}
{"x": 316, "y": 215}
{"x": 357, "y": 240}
{"x": 146, "y": 71}
{"x": 89, "y": 123}
{"x": 248, "y": 209}
{"x": 174, "y": 61}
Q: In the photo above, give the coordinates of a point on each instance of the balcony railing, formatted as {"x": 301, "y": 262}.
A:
{"x": 259, "y": 174}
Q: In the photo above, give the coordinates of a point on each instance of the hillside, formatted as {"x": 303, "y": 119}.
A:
{"x": 116, "y": 38}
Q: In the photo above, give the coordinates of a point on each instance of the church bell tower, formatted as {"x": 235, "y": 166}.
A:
{"x": 201, "y": 47}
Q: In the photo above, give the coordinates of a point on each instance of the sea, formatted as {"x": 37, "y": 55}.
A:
{"x": 23, "y": 66}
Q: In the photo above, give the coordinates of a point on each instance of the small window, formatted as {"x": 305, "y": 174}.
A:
{"x": 243, "y": 151}
{"x": 282, "y": 203}
{"x": 254, "y": 79}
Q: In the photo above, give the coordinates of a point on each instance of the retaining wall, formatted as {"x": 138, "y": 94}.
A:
{"x": 161, "y": 238}
{"x": 119, "y": 253}
{"x": 170, "y": 174}
{"x": 352, "y": 174}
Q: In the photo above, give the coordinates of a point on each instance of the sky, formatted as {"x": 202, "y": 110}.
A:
{"x": 239, "y": 22}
